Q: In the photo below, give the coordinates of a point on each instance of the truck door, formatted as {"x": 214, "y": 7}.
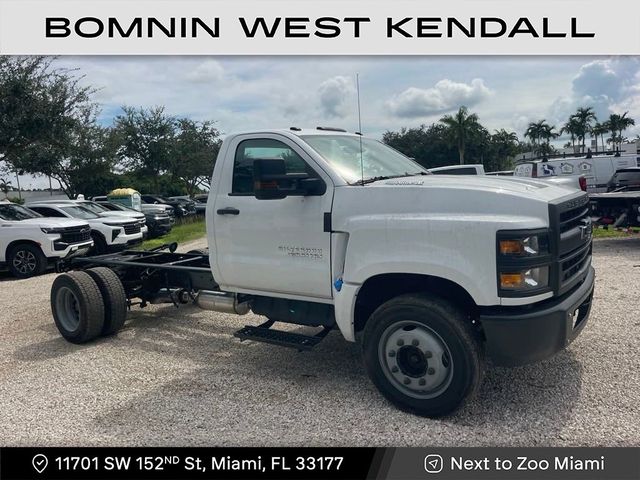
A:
{"x": 277, "y": 246}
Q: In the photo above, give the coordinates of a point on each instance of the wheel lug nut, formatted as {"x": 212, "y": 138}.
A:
{"x": 394, "y": 369}
{"x": 392, "y": 353}
{"x": 431, "y": 371}
{"x": 407, "y": 381}
{"x": 400, "y": 342}
{"x": 415, "y": 342}
{"x": 422, "y": 382}
{"x": 428, "y": 354}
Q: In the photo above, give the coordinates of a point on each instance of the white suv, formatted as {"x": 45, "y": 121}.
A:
{"x": 105, "y": 212}
{"x": 29, "y": 242}
{"x": 108, "y": 233}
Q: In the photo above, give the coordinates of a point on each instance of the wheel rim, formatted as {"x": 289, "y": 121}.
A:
{"x": 68, "y": 309}
{"x": 415, "y": 359}
{"x": 24, "y": 261}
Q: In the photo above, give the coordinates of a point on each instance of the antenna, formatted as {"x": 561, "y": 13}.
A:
{"x": 360, "y": 128}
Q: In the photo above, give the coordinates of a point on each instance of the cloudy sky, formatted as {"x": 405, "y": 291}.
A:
{"x": 243, "y": 93}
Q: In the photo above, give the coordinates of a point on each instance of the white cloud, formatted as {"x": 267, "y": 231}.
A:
{"x": 445, "y": 95}
{"x": 334, "y": 95}
{"x": 607, "y": 85}
{"x": 207, "y": 72}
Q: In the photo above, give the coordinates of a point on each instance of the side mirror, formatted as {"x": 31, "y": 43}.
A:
{"x": 272, "y": 182}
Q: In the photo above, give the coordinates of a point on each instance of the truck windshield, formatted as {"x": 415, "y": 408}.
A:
{"x": 11, "y": 212}
{"x": 378, "y": 160}
{"x": 79, "y": 212}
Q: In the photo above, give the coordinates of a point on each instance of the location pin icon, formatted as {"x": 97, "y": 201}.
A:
{"x": 40, "y": 462}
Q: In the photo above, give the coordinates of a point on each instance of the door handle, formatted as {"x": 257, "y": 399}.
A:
{"x": 228, "y": 211}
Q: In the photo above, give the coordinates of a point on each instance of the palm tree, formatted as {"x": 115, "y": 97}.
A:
{"x": 617, "y": 125}
{"x": 534, "y": 132}
{"x": 583, "y": 117}
{"x": 5, "y": 187}
{"x": 572, "y": 128}
{"x": 599, "y": 130}
{"x": 460, "y": 128}
{"x": 541, "y": 134}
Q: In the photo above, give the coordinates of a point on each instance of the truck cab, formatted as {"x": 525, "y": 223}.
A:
{"x": 428, "y": 273}
{"x": 341, "y": 220}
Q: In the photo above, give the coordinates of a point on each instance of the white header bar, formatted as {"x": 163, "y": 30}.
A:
{"x": 328, "y": 27}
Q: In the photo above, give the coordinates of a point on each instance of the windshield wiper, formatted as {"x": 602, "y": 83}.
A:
{"x": 386, "y": 177}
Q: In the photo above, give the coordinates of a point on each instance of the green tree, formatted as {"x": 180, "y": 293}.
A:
{"x": 48, "y": 123}
{"x": 617, "y": 125}
{"x": 195, "y": 151}
{"x": 541, "y": 133}
{"x": 41, "y": 110}
{"x": 504, "y": 146}
{"x": 583, "y": 118}
{"x": 461, "y": 127}
{"x": 599, "y": 130}
{"x": 572, "y": 128}
{"x": 427, "y": 144}
{"x": 146, "y": 140}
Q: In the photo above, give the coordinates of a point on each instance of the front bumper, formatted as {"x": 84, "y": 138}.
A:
{"x": 69, "y": 250}
{"x": 526, "y": 334}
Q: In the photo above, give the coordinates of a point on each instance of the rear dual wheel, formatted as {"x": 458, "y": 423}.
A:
{"x": 87, "y": 304}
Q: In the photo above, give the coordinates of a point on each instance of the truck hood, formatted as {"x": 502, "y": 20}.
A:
{"x": 511, "y": 186}
{"x": 50, "y": 222}
{"x": 121, "y": 214}
{"x": 506, "y": 203}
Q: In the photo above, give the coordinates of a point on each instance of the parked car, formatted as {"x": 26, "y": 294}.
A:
{"x": 98, "y": 209}
{"x": 158, "y": 222}
{"x": 108, "y": 233}
{"x": 626, "y": 177}
{"x": 179, "y": 206}
{"x": 201, "y": 202}
{"x": 29, "y": 242}
{"x": 145, "y": 207}
{"x": 187, "y": 202}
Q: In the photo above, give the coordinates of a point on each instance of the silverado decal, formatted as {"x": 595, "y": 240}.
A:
{"x": 313, "y": 253}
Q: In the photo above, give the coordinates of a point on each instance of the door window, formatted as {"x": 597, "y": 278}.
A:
{"x": 262, "y": 148}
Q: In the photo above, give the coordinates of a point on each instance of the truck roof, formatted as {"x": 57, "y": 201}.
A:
{"x": 299, "y": 131}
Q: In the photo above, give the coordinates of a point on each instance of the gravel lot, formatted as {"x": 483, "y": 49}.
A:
{"x": 179, "y": 377}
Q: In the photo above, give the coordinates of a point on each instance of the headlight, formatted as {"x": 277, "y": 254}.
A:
{"x": 50, "y": 230}
{"x": 531, "y": 245}
{"x": 523, "y": 262}
{"x": 525, "y": 280}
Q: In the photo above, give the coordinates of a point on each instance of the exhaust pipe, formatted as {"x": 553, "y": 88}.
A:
{"x": 175, "y": 296}
{"x": 221, "y": 302}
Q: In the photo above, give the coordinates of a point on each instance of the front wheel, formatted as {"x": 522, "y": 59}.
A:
{"x": 422, "y": 354}
{"x": 26, "y": 260}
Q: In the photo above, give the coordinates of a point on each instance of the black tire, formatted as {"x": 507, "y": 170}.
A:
{"x": 199, "y": 251}
{"x": 114, "y": 296}
{"x": 99, "y": 244}
{"x": 26, "y": 260}
{"x": 77, "y": 307}
{"x": 423, "y": 319}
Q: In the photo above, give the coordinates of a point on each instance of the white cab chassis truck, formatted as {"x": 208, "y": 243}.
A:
{"x": 321, "y": 228}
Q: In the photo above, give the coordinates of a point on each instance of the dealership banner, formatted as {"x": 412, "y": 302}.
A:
{"x": 318, "y": 463}
{"x": 311, "y": 27}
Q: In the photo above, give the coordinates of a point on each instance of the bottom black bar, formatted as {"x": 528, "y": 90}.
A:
{"x": 321, "y": 463}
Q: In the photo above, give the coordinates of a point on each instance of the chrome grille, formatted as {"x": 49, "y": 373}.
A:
{"x": 572, "y": 236}
{"x": 132, "y": 228}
